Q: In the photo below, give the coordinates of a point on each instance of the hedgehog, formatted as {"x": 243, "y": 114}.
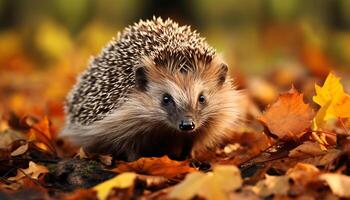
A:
{"x": 157, "y": 89}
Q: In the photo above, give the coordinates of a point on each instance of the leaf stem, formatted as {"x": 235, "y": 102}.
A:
{"x": 343, "y": 125}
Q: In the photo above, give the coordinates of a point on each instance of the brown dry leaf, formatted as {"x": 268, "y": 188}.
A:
{"x": 105, "y": 159}
{"x": 314, "y": 153}
{"x": 278, "y": 185}
{"x": 289, "y": 116}
{"x": 34, "y": 171}
{"x": 322, "y": 160}
{"x": 308, "y": 149}
{"x": 338, "y": 183}
{"x": 211, "y": 186}
{"x": 20, "y": 150}
{"x": 155, "y": 166}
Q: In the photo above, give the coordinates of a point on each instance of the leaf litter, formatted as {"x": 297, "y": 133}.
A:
{"x": 297, "y": 147}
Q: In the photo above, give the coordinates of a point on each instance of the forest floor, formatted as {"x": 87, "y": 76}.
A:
{"x": 295, "y": 143}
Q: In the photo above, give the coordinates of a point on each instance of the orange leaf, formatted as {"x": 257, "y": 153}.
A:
{"x": 81, "y": 194}
{"x": 155, "y": 166}
{"x": 40, "y": 134}
{"x": 303, "y": 173}
{"x": 289, "y": 116}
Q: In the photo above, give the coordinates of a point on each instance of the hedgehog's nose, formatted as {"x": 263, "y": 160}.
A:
{"x": 187, "y": 125}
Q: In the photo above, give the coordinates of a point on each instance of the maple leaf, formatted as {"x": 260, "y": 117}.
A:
{"x": 34, "y": 171}
{"x": 155, "y": 166}
{"x": 124, "y": 180}
{"x": 212, "y": 185}
{"x": 334, "y": 102}
{"x": 289, "y": 116}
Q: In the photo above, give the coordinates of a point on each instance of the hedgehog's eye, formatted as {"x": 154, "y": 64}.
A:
{"x": 167, "y": 99}
{"x": 201, "y": 99}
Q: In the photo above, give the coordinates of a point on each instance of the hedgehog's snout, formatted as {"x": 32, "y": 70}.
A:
{"x": 187, "y": 124}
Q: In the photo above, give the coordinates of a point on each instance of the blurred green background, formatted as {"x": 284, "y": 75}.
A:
{"x": 253, "y": 35}
{"x": 45, "y": 44}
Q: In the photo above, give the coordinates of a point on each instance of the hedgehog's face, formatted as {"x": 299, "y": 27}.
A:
{"x": 186, "y": 101}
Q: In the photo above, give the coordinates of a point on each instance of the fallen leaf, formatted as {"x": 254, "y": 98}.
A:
{"x": 318, "y": 120}
{"x": 338, "y": 183}
{"x": 308, "y": 149}
{"x": 278, "y": 185}
{"x": 155, "y": 166}
{"x": 212, "y": 185}
{"x": 330, "y": 89}
{"x": 322, "y": 160}
{"x": 303, "y": 173}
{"x": 124, "y": 180}
{"x": 41, "y": 135}
{"x": 106, "y": 159}
{"x": 289, "y": 116}
{"x": 82, "y": 194}
{"x": 20, "y": 150}
{"x": 34, "y": 171}
{"x": 314, "y": 153}
{"x": 334, "y": 102}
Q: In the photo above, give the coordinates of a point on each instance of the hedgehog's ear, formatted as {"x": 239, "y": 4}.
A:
{"x": 141, "y": 79}
{"x": 222, "y": 73}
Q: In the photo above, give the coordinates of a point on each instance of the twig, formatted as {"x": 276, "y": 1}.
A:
{"x": 32, "y": 179}
{"x": 263, "y": 151}
{"x": 343, "y": 125}
{"x": 29, "y": 159}
{"x": 2, "y": 179}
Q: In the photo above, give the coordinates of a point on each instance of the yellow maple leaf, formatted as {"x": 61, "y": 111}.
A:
{"x": 124, "y": 180}
{"x": 212, "y": 185}
{"x": 330, "y": 89}
{"x": 334, "y": 102}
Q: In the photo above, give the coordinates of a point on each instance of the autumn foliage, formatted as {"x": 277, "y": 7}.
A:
{"x": 294, "y": 148}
